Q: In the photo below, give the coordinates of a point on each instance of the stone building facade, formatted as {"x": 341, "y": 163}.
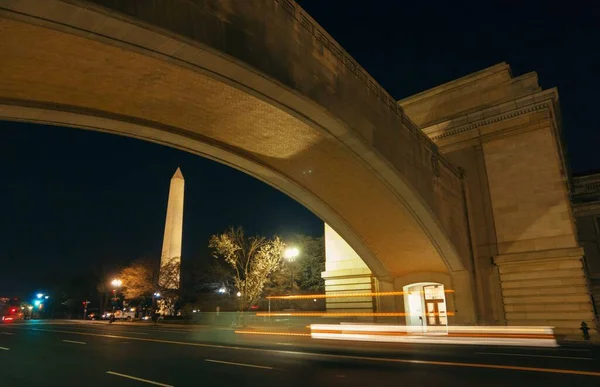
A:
{"x": 504, "y": 132}
{"x": 586, "y": 205}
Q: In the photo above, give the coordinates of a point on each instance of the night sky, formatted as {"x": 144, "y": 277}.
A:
{"x": 73, "y": 199}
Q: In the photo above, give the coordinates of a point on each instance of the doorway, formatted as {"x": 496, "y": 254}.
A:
{"x": 425, "y": 305}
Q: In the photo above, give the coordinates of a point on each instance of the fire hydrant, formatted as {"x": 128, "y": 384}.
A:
{"x": 586, "y": 330}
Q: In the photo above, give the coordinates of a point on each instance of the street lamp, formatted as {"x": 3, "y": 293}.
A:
{"x": 290, "y": 254}
{"x": 116, "y": 283}
{"x": 155, "y": 295}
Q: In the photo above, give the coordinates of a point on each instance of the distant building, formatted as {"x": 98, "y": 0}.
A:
{"x": 586, "y": 206}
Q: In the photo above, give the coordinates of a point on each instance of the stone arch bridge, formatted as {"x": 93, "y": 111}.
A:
{"x": 259, "y": 86}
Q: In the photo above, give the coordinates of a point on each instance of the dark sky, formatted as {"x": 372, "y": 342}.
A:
{"x": 72, "y": 198}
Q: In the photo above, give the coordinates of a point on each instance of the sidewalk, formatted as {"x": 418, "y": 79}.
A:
{"x": 574, "y": 340}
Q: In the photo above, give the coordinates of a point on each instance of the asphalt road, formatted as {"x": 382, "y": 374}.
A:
{"x": 87, "y": 354}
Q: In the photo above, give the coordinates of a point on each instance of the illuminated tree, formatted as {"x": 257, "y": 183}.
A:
{"x": 307, "y": 267}
{"x": 140, "y": 281}
{"x": 252, "y": 259}
{"x": 139, "y": 278}
{"x": 169, "y": 276}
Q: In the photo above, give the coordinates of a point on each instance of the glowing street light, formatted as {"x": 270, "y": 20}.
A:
{"x": 40, "y": 295}
{"x": 290, "y": 254}
{"x": 239, "y": 294}
{"x": 116, "y": 283}
{"x": 155, "y": 295}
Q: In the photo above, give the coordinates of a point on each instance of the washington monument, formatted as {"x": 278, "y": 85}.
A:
{"x": 170, "y": 259}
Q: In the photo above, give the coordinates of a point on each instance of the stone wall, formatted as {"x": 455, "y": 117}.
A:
{"x": 345, "y": 273}
{"x": 504, "y": 132}
{"x": 586, "y": 204}
{"x": 279, "y": 39}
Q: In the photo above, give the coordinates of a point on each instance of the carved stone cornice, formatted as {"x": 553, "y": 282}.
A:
{"x": 451, "y": 131}
{"x": 540, "y": 101}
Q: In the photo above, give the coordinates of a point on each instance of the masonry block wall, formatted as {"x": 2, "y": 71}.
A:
{"x": 586, "y": 204}
{"x": 504, "y": 132}
{"x": 345, "y": 273}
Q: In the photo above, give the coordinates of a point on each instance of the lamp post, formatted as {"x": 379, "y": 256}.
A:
{"x": 39, "y": 303}
{"x": 290, "y": 254}
{"x": 116, "y": 283}
{"x": 155, "y": 295}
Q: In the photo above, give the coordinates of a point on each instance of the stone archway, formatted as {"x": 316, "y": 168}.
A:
{"x": 92, "y": 69}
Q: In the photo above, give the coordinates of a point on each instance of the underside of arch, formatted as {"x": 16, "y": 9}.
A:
{"x": 51, "y": 76}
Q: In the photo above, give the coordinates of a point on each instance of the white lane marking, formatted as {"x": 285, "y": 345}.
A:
{"x": 145, "y": 328}
{"x": 7, "y": 333}
{"x": 332, "y": 356}
{"x": 5, "y": 349}
{"x": 530, "y": 355}
{"x": 139, "y": 379}
{"x": 85, "y": 329}
{"x": 168, "y": 331}
{"x": 239, "y": 364}
{"x": 74, "y": 342}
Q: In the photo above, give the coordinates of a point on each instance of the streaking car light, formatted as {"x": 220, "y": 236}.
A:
{"x": 345, "y": 295}
{"x": 465, "y": 335}
{"x": 269, "y": 333}
{"x": 344, "y": 314}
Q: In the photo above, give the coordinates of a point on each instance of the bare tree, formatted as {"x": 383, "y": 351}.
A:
{"x": 252, "y": 259}
{"x": 169, "y": 276}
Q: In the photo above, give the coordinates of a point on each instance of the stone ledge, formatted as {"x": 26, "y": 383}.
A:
{"x": 470, "y": 78}
{"x": 539, "y": 256}
{"x": 563, "y": 316}
{"x": 535, "y": 275}
{"x": 505, "y": 111}
{"x": 543, "y": 283}
{"x": 346, "y": 273}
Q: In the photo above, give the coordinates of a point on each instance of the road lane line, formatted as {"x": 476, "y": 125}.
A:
{"x": 331, "y": 356}
{"x": 530, "y": 355}
{"x": 91, "y": 330}
{"x": 139, "y": 379}
{"x": 74, "y": 342}
{"x": 7, "y": 333}
{"x": 4, "y": 349}
{"x": 239, "y": 364}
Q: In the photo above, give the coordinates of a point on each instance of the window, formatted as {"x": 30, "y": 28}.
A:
{"x": 434, "y": 292}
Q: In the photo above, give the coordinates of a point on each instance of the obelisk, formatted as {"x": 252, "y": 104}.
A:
{"x": 170, "y": 260}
